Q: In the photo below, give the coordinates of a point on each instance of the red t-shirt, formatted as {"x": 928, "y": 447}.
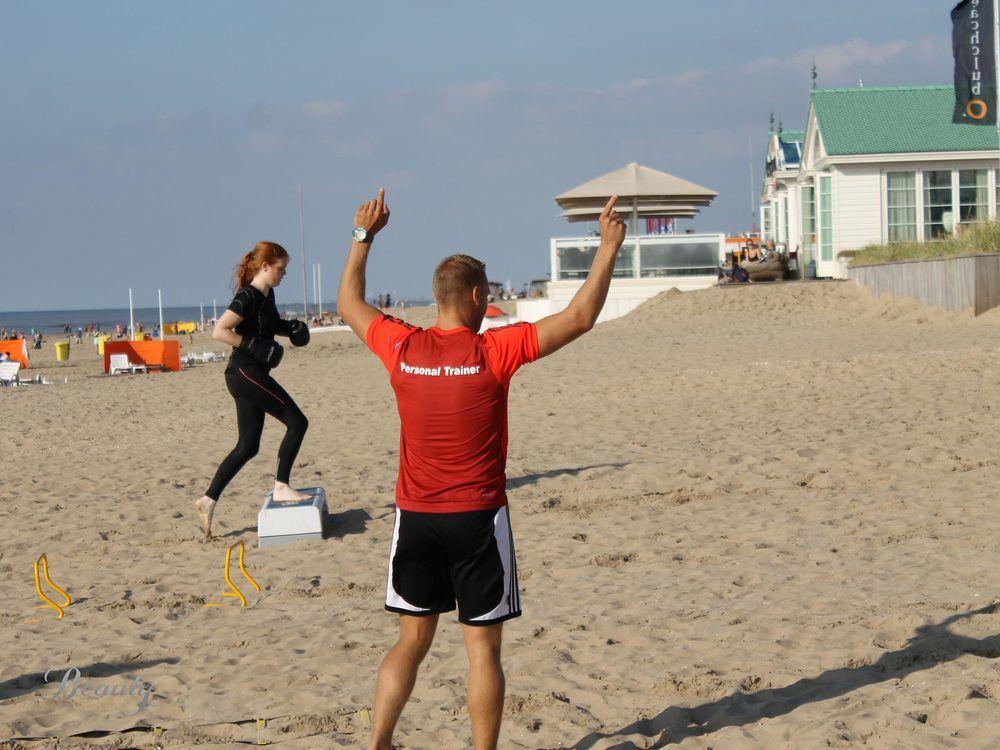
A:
{"x": 451, "y": 393}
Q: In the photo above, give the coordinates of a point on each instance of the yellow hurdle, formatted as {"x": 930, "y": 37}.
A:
{"x": 42, "y": 563}
{"x": 234, "y": 591}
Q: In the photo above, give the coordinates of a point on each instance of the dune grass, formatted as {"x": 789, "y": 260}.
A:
{"x": 976, "y": 238}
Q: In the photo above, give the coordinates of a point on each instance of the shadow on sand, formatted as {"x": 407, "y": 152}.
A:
{"x": 529, "y": 479}
{"x": 28, "y": 683}
{"x": 339, "y": 525}
{"x": 931, "y": 645}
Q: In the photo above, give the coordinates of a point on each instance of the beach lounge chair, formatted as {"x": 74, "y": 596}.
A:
{"x": 190, "y": 358}
{"x": 119, "y": 363}
{"x": 8, "y": 373}
{"x": 208, "y": 357}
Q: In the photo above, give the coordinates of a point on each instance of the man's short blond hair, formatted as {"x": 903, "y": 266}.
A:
{"x": 456, "y": 276}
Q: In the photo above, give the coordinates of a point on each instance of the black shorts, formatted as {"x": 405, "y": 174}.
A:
{"x": 437, "y": 558}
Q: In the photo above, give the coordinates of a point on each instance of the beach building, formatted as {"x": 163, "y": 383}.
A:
{"x": 653, "y": 258}
{"x": 781, "y": 192}
{"x": 876, "y": 165}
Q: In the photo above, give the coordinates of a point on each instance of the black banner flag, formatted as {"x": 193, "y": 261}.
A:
{"x": 974, "y": 42}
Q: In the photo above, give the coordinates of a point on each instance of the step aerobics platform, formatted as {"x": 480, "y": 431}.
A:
{"x": 281, "y": 523}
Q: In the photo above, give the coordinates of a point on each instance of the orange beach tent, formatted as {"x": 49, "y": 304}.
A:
{"x": 161, "y": 354}
{"x": 18, "y": 351}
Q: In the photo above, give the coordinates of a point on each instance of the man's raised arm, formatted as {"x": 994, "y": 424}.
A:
{"x": 351, "y": 305}
{"x": 557, "y": 330}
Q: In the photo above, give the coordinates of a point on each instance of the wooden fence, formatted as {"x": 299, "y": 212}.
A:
{"x": 962, "y": 283}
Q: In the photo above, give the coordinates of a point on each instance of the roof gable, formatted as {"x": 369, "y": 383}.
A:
{"x": 636, "y": 180}
{"x": 895, "y": 121}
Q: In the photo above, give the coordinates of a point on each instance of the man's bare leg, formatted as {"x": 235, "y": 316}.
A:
{"x": 285, "y": 494}
{"x": 206, "y": 509}
{"x": 398, "y": 674}
{"x": 486, "y": 683}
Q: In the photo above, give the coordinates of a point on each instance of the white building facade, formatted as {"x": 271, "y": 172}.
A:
{"x": 880, "y": 165}
{"x": 647, "y": 265}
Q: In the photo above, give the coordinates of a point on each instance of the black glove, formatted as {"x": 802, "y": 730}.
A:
{"x": 266, "y": 351}
{"x": 298, "y": 333}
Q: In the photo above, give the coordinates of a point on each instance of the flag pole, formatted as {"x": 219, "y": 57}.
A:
{"x": 302, "y": 243}
{"x": 996, "y": 83}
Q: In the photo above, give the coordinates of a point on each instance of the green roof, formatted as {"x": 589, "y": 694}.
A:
{"x": 792, "y": 136}
{"x": 895, "y": 121}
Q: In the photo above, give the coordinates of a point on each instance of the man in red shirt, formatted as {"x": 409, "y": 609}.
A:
{"x": 452, "y": 539}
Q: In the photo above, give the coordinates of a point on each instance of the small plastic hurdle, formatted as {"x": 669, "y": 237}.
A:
{"x": 42, "y": 564}
{"x": 234, "y": 591}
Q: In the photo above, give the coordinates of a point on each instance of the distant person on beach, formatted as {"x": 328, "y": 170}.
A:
{"x": 452, "y": 539}
{"x": 249, "y": 326}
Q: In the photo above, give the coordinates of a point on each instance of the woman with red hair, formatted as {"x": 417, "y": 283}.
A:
{"x": 249, "y": 326}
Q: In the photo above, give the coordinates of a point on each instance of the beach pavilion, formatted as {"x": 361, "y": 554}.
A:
{"x": 875, "y": 166}
{"x": 653, "y": 258}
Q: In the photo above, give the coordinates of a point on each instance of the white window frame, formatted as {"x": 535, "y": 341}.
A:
{"x": 957, "y": 197}
{"x": 918, "y": 186}
{"x": 819, "y": 214}
{"x": 921, "y": 233}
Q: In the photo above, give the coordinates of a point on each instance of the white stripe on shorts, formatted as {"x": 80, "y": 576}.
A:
{"x": 392, "y": 598}
{"x": 510, "y": 602}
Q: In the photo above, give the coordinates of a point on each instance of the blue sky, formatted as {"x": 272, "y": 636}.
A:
{"x": 151, "y": 145}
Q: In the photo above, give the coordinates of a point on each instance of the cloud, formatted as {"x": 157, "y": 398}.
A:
{"x": 327, "y": 109}
{"x": 265, "y": 141}
{"x": 679, "y": 80}
{"x": 398, "y": 179}
{"x": 836, "y": 59}
{"x": 475, "y": 92}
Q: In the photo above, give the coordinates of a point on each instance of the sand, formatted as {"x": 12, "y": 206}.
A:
{"x": 759, "y": 517}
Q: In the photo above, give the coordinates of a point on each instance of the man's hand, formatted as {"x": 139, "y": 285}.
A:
{"x": 372, "y": 215}
{"x": 351, "y": 305}
{"x": 559, "y": 329}
{"x": 612, "y": 225}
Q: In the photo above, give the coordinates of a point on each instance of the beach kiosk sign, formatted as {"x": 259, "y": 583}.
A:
{"x": 974, "y": 38}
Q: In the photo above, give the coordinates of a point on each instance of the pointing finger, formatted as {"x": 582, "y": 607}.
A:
{"x": 381, "y": 200}
{"x": 609, "y": 206}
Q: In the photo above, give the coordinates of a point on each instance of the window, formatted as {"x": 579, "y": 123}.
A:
{"x": 939, "y": 218}
{"x": 575, "y": 261}
{"x": 826, "y": 218}
{"x": 784, "y": 213}
{"x": 808, "y": 219}
{"x": 660, "y": 259}
{"x": 973, "y": 195}
{"x": 902, "y": 202}
{"x": 767, "y": 222}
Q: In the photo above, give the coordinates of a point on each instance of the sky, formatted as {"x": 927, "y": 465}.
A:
{"x": 150, "y": 145}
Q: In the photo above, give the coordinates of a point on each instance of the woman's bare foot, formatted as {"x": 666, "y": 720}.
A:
{"x": 206, "y": 509}
{"x": 285, "y": 494}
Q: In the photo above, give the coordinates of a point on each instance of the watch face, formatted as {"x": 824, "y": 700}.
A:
{"x": 360, "y": 234}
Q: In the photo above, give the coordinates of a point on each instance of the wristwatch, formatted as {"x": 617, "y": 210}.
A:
{"x": 360, "y": 234}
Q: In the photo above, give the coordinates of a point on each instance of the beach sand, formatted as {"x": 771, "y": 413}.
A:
{"x": 759, "y": 517}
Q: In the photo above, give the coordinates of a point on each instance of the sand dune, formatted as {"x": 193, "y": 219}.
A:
{"x": 748, "y": 517}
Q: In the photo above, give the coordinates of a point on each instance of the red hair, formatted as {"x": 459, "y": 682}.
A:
{"x": 263, "y": 252}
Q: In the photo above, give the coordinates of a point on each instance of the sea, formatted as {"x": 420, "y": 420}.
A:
{"x": 50, "y": 322}
{"x": 54, "y": 321}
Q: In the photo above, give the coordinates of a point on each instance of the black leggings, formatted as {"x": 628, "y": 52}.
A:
{"x": 256, "y": 393}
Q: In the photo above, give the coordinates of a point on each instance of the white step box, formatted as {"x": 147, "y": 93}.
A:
{"x": 280, "y": 523}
